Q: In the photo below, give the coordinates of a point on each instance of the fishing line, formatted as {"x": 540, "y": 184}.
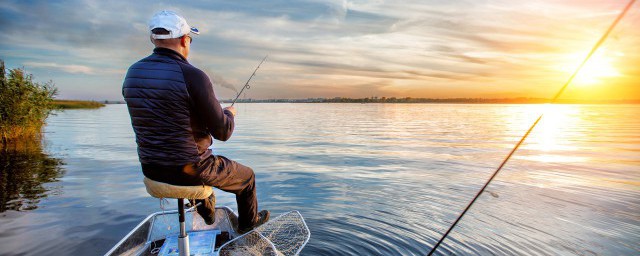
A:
{"x": 246, "y": 85}
{"x": 555, "y": 98}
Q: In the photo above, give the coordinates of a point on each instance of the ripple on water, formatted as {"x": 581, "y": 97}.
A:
{"x": 372, "y": 179}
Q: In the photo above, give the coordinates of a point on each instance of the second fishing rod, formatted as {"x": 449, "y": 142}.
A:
{"x": 524, "y": 137}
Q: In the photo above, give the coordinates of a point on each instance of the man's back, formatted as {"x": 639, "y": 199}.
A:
{"x": 159, "y": 105}
{"x": 174, "y": 114}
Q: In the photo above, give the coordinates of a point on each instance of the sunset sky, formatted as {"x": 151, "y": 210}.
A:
{"x": 435, "y": 49}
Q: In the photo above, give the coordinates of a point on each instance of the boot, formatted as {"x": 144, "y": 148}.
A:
{"x": 207, "y": 209}
{"x": 263, "y": 217}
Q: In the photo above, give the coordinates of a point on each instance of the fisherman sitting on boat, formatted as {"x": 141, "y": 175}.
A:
{"x": 175, "y": 114}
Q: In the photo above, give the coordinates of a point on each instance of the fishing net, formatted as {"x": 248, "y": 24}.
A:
{"x": 285, "y": 235}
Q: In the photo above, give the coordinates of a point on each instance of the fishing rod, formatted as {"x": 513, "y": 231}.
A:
{"x": 246, "y": 85}
{"x": 555, "y": 98}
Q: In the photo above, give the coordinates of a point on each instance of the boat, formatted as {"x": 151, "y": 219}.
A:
{"x": 286, "y": 234}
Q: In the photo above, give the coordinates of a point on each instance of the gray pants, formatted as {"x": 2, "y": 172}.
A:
{"x": 233, "y": 177}
{"x": 216, "y": 171}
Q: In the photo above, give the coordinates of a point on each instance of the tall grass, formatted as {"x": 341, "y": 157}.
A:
{"x": 76, "y": 104}
{"x": 24, "y": 104}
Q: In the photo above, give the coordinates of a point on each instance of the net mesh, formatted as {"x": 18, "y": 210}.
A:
{"x": 285, "y": 235}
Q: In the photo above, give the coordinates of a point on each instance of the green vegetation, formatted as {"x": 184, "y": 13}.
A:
{"x": 76, "y": 104}
{"x": 24, "y": 104}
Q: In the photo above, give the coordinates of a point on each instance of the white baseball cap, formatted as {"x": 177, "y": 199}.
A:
{"x": 171, "y": 21}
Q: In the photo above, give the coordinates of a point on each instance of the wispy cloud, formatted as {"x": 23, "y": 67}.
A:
{"x": 73, "y": 69}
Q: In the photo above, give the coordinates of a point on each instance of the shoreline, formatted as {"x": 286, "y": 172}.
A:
{"x": 426, "y": 101}
{"x": 76, "y": 104}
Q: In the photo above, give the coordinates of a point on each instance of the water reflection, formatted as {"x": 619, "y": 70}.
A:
{"x": 554, "y": 132}
{"x": 370, "y": 179}
{"x": 24, "y": 170}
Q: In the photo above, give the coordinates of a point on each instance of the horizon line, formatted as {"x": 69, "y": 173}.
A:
{"x": 405, "y": 100}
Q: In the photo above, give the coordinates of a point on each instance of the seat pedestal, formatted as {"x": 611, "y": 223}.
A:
{"x": 183, "y": 238}
{"x": 164, "y": 190}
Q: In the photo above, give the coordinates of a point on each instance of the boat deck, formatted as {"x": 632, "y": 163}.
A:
{"x": 149, "y": 235}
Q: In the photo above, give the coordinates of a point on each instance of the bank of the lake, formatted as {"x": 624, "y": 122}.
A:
{"x": 76, "y": 104}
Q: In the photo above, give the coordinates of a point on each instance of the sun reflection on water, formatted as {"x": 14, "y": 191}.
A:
{"x": 550, "y": 138}
{"x": 556, "y": 152}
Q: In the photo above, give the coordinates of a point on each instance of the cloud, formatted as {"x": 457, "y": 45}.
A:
{"x": 420, "y": 47}
{"x": 73, "y": 69}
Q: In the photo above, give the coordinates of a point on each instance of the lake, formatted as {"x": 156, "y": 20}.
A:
{"x": 370, "y": 179}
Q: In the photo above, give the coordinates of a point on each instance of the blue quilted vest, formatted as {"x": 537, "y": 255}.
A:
{"x": 159, "y": 105}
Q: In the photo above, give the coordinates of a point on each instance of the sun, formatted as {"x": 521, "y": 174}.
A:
{"x": 596, "y": 70}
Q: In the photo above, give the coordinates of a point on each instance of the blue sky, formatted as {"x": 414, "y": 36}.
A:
{"x": 427, "y": 48}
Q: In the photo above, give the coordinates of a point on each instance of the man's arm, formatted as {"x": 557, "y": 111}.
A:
{"x": 219, "y": 121}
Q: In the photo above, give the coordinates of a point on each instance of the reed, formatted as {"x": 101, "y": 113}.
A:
{"x": 76, "y": 104}
{"x": 24, "y": 104}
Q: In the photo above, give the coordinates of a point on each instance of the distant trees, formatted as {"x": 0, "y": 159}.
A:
{"x": 24, "y": 104}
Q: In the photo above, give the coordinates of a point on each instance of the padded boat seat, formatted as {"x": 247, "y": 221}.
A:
{"x": 164, "y": 190}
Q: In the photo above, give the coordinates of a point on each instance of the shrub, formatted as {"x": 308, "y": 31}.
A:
{"x": 24, "y": 104}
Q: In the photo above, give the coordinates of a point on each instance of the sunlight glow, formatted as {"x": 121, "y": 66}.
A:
{"x": 549, "y": 138}
{"x": 557, "y": 121}
{"x": 596, "y": 70}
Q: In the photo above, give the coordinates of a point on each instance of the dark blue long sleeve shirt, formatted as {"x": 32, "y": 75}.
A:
{"x": 175, "y": 115}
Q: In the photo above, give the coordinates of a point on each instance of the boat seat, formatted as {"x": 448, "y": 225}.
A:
{"x": 163, "y": 190}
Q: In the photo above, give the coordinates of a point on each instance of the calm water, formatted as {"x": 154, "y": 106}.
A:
{"x": 374, "y": 179}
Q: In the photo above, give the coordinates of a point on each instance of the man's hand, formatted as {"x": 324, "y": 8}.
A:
{"x": 231, "y": 109}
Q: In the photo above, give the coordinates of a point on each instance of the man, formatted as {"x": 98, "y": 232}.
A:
{"x": 175, "y": 114}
